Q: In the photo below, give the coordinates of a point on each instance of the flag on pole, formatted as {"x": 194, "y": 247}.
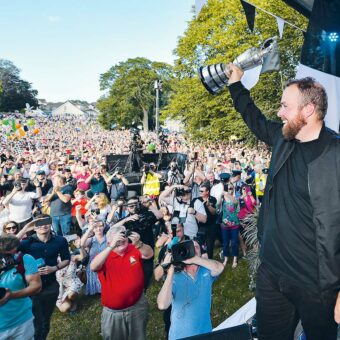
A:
{"x": 249, "y": 11}
{"x": 280, "y": 25}
{"x": 320, "y": 56}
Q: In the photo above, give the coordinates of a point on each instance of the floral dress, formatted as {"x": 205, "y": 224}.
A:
{"x": 93, "y": 285}
{"x": 230, "y": 211}
{"x": 68, "y": 282}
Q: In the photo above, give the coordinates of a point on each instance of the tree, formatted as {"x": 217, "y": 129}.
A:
{"x": 219, "y": 34}
{"x": 14, "y": 92}
{"x": 131, "y": 95}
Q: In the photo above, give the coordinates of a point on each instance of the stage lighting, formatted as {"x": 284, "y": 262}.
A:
{"x": 333, "y": 37}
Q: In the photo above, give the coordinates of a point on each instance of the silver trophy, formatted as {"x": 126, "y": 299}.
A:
{"x": 214, "y": 77}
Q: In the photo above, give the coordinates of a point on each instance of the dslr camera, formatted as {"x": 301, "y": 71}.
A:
{"x": 145, "y": 219}
{"x": 181, "y": 191}
{"x": 182, "y": 251}
{"x": 146, "y": 168}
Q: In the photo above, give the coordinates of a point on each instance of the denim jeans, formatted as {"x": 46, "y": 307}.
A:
{"x": 281, "y": 304}
{"x": 227, "y": 236}
{"x": 62, "y": 224}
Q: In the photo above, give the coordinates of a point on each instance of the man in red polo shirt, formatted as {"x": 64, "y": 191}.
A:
{"x": 120, "y": 272}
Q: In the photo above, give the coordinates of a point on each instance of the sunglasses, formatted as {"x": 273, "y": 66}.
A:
{"x": 11, "y": 228}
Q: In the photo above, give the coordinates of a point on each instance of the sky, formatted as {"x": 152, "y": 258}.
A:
{"x": 63, "y": 46}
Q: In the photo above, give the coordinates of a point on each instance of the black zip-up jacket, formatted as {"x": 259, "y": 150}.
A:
{"x": 323, "y": 185}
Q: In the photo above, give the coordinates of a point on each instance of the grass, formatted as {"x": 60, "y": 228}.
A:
{"x": 230, "y": 292}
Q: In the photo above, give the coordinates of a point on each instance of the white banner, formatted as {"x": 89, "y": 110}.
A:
{"x": 332, "y": 85}
{"x": 280, "y": 25}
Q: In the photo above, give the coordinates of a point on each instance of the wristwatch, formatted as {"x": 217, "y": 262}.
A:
{"x": 140, "y": 244}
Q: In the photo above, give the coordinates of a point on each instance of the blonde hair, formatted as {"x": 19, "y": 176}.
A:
{"x": 102, "y": 201}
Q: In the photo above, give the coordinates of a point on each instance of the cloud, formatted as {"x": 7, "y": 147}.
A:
{"x": 53, "y": 18}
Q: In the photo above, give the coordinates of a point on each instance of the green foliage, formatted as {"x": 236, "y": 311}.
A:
{"x": 14, "y": 92}
{"x": 131, "y": 94}
{"x": 220, "y": 34}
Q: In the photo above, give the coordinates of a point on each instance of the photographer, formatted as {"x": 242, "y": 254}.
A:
{"x": 118, "y": 184}
{"x": 93, "y": 242}
{"x": 174, "y": 175}
{"x": 119, "y": 267}
{"x": 60, "y": 202}
{"x": 44, "y": 183}
{"x": 20, "y": 202}
{"x": 46, "y": 247}
{"x": 164, "y": 259}
{"x": 151, "y": 180}
{"x": 19, "y": 279}
{"x": 141, "y": 220}
{"x": 189, "y": 292}
{"x": 179, "y": 198}
{"x": 194, "y": 178}
{"x": 208, "y": 230}
{"x": 118, "y": 211}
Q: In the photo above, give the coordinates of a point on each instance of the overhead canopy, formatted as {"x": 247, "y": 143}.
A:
{"x": 302, "y": 6}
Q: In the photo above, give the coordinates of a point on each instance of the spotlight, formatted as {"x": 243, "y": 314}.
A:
{"x": 333, "y": 37}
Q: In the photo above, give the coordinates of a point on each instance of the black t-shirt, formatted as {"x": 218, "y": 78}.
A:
{"x": 289, "y": 240}
{"x": 211, "y": 219}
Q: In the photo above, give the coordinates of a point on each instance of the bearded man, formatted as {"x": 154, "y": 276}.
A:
{"x": 299, "y": 222}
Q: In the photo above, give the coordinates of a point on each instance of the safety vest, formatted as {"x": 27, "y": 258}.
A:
{"x": 260, "y": 183}
{"x": 151, "y": 185}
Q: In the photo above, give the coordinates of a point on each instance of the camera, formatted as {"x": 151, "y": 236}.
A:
{"x": 173, "y": 167}
{"x": 17, "y": 184}
{"x": 145, "y": 219}
{"x": 146, "y": 168}
{"x": 181, "y": 191}
{"x": 7, "y": 262}
{"x": 182, "y": 251}
{"x": 95, "y": 211}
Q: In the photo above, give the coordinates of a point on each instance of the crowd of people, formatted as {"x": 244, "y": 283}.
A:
{"x": 89, "y": 232}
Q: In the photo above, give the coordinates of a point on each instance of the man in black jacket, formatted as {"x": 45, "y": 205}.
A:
{"x": 298, "y": 226}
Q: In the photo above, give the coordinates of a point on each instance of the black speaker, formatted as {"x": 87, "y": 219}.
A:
{"x": 119, "y": 161}
{"x": 242, "y": 332}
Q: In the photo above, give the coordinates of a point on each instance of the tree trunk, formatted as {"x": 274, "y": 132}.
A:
{"x": 145, "y": 120}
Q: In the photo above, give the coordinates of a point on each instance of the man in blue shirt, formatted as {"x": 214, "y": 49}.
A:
{"x": 46, "y": 247}
{"x": 189, "y": 291}
{"x": 16, "y": 318}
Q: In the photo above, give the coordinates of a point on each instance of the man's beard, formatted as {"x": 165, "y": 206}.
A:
{"x": 293, "y": 127}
